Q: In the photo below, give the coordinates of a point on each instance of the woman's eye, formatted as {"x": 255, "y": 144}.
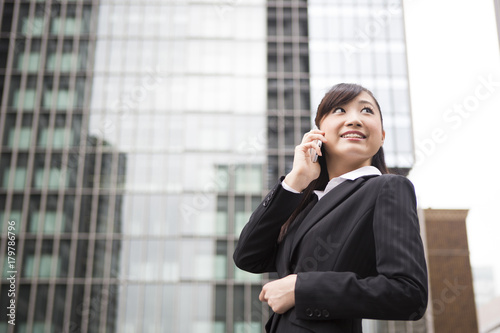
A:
{"x": 368, "y": 110}
{"x": 338, "y": 110}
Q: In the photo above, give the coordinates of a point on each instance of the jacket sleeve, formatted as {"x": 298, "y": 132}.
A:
{"x": 256, "y": 248}
{"x": 399, "y": 291}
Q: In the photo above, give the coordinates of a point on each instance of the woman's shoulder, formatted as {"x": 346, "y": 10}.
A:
{"x": 389, "y": 179}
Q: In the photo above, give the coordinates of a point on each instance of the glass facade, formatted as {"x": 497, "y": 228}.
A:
{"x": 364, "y": 42}
{"x": 288, "y": 89}
{"x": 138, "y": 136}
{"x": 133, "y": 152}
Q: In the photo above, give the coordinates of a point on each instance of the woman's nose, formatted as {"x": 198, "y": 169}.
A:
{"x": 353, "y": 120}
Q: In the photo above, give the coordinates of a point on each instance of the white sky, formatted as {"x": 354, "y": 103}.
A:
{"x": 452, "y": 47}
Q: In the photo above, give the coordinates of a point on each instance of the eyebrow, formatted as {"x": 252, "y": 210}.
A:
{"x": 362, "y": 101}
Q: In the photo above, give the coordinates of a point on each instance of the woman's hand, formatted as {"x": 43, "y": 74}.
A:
{"x": 304, "y": 170}
{"x": 280, "y": 294}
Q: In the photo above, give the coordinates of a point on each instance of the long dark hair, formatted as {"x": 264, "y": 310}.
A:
{"x": 338, "y": 95}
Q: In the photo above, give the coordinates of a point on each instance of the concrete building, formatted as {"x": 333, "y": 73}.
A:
{"x": 452, "y": 304}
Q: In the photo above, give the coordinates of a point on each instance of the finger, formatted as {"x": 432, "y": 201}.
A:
{"x": 314, "y": 133}
{"x": 262, "y": 297}
{"x": 316, "y": 130}
{"x": 309, "y": 137}
{"x": 309, "y": 146}
{"x": 315, "y": 150}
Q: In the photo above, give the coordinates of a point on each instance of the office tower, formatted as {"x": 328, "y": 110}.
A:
{"x": 168, "y": 102}
{"x": 364, "y": 42}
{"x": 58, "y": 183}
{"x": 138, "y": 137}
{"x": 288, "y": 88}
{"x": 452, "y": 303}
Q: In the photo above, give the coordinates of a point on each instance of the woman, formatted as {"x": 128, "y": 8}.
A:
{"x": 342, "y": 234}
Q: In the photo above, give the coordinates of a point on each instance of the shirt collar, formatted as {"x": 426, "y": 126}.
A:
{"x": 363, "y": 171}
{"x": 352, "y": 175}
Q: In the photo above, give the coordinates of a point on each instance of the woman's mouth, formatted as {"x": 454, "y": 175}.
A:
{"x": 353, "y": 135}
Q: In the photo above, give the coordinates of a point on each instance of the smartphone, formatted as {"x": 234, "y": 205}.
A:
{"x": 314, "y": 153}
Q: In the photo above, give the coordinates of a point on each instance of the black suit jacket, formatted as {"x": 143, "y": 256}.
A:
{"x": 357, "y": 254}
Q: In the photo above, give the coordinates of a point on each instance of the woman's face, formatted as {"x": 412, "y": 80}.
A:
{"x": 354, "y": 130}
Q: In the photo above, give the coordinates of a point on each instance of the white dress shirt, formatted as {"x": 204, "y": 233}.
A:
{"x": 352, "y": 175}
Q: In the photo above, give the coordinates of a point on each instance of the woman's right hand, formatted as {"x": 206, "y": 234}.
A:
{"x": 304, "y": 170}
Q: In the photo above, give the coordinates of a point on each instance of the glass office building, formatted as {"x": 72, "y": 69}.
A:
{"x": 138, "y": 136}
{"x": 364, "y": 42}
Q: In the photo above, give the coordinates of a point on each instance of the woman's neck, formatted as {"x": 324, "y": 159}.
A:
{"x": 336, "y": 169}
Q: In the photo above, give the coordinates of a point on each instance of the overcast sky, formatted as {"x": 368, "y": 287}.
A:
{"x": 454, "y": 69}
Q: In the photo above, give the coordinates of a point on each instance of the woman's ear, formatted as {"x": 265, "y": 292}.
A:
{"x": 383, "y": 138}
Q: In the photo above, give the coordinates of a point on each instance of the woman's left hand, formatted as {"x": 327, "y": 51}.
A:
{"x": 280, "y": 294}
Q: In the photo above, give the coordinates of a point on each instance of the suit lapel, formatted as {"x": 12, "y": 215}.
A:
{"x": 329, "y": 202}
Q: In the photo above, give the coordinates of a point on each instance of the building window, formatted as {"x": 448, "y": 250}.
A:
{"x": 53, "y": 223}
{"x": 15, "y": 215}
{"x": 18, "y": 175}
{"x": 221, "y": 260}
{"x": 44, "y": 266}
{"x": 248, "y": 179}
{"x": 32, "y": 61}
{"x": 239, "y": 308}
{"x": 220, "y": 309}
{"x": 61, "y": 101}
{"x": 170, "y": 266}
{"x": 32, "y": 27}
{"x": 24, "y": 138}
{"x": 55, "y": 175}
{"x": 61, "y": 137}
{"x": 67, "y": 62}
{"x": 70, "y": 26}
{"x": 221, "y": 220}
{"x": 222, "y": 178}
{"x": 241, "y": 216}
{"x": 28, "y": 101}
{"x": 289, "y": 132}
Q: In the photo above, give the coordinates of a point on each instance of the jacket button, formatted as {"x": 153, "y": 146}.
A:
{"x": 326, "y": 314}
{"x": 317, "y": 313}
{"x": 309, "y": 312}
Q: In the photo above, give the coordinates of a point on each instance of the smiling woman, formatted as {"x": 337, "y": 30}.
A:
{"x": 342, "y": 233}
{"x": 355, "y": 133}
